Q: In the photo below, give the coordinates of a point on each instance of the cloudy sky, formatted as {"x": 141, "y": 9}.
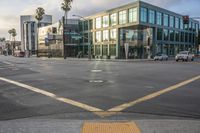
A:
{"x": 10, "y": 10}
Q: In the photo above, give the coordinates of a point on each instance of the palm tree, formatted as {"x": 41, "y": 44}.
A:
{"x": 10, "y": 33}
{"x": 14, "y": 34}
{"x": 66, "y": 7}
{"x": 39, "y": 16}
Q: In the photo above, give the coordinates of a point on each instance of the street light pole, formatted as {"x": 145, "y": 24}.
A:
{"x": 89, "y": 39}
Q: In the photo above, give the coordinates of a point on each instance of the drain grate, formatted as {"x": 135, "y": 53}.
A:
{"x": 110, "y": 127}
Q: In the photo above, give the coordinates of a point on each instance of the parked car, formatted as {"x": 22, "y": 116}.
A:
{"x": 160, "y": 57}
{"x": 185, "y": 56}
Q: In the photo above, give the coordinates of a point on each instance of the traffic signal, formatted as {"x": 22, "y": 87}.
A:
{"x": 186, "y": 19}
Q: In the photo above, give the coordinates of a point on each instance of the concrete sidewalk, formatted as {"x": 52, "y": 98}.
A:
{"x": 75, "y": 126}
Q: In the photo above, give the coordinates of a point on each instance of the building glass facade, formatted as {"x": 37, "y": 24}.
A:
{"x": 146, "y": 29}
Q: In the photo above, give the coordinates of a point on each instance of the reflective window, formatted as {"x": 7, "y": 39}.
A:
{"x": 171, "y": 21}
{"x": 113, "y": 19}
{"x": 97, "y": 49}
{"x": 190, "y": 25}
{"x": 105, "y": 21}
{"x": 197, "y": 29}
{"x": 159, "y": 34}
{"x": 105, "y": 49}
{"x": 105, "y": 35}
{"x": 177, "y": 23}
{"x": 132, "y": 15}
{"x": 113, "y": 49}
{"x": 182, "y": 36}
{"x": 159, "y": 18}
{"x": 166, "y": 34}
{"x": 143, "y": 14}
{"x": 171, "y": 33}
{"x": 193, "y": 27}
{"x": 190, "y": 37}
{"x": 186, "y": 37}
{"x": 186, "y": 26}
{"x": 181, "y": 24}
{"x": 113, "y": 34}
{"x": 151, "y": 16}
{"x": 122, "y": 17}
{"x": 177, "y": 34}
{"x": 166, "y": 20}
{"x": 98, "y": 36}
{"x": 98, "y": 22}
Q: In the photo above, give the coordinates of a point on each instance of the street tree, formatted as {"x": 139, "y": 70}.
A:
{"x": 10, "y": 33}
{"x": 13, "y": 34}
{"x": 39, "y": 16}
{"x": 66, "y": 7}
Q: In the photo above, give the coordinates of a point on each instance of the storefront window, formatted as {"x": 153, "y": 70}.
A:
{"x": 166, "y": 34}
{"x": 166, "y": 20}
{"x": 177, "y": 36}
{"x": 159, "y": 33}
{"x": 122, "y": 17}
{"x": 113, "y": 34}
{"x": 186, "y": 37}
{"x": 98, "y": 22}
{"x": 105, "y": 49}
{"x": 98, "y": 36}
{"x": 159, "y": 18}
{"x": 151, "y": 16}
{"x": 113, "y": 19}
{"x": 171, "y": 32}
{"x": 113, "y": 50}
{"x": 105, "y": 35}
{"x": 132, "y": 15}
{"x": 97, "y": 49}
{"x": 105, "y": 21}
{"x": 143, "y": 14}
{"x": 182, "y": 36}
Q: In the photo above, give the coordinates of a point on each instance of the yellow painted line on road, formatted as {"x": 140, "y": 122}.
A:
{"x": 55, "y": 97}
{"x": 151, "y": 96}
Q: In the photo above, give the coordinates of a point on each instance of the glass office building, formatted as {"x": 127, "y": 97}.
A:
{"x": 145, "y": 28}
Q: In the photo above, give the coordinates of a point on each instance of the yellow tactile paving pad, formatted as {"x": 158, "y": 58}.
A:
{"x": 110, "y": 127}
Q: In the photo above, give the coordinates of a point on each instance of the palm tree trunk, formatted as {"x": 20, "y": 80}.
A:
{"x": 37, "y": 51}
{"x": 64, "y": 29}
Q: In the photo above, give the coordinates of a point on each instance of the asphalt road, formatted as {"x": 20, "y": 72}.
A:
{"x": 78, "y": 90}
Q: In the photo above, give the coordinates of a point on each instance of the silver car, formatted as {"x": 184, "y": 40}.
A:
{"x": 160, "y": 57}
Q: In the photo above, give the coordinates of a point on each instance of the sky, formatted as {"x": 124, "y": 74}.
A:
{"x": 10, "y": 10}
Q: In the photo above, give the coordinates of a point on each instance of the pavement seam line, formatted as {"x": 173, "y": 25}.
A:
{"x": 151, "y": 96}
{"x": 55, "y": 97}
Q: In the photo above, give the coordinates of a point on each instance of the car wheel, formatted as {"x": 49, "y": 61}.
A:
{"x": 177, "y": 60}
{"x": 192, "y": 59}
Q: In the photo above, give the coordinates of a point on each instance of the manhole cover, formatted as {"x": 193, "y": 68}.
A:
{"x": 96, "y": 71}
{"x": 96, "y": 81}
{"x": 109, "y": 127}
